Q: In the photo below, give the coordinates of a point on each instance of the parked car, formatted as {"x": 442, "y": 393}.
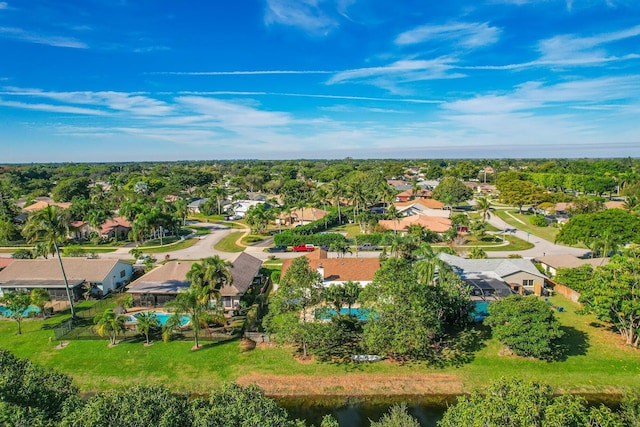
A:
{"x": 367, "y": 247}
{"x": 303, "y": 248}
{"x": 278, "y": 248}
{"x": 232, "y": 217}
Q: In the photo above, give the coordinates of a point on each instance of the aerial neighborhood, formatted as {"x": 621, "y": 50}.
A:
{"x": 450, "y": 271}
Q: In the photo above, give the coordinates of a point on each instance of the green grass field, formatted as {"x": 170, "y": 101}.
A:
{"x": 596, "y": 360}
{"x": 547, "y": 233}
{"x": 182, "y": 244}
{"x": 228, "y": 242}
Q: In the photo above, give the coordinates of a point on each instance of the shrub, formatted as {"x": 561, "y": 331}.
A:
{"x": 539, "y": 221}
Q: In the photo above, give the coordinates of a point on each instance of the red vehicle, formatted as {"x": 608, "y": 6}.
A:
{"x": 303, "y": 248}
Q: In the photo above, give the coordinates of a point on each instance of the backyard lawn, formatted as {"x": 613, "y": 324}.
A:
{"x": 596, "y": 361}
{"x": 547, "y": 233}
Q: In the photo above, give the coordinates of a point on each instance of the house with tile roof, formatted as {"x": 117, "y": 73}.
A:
{"x": 100, "y": 275}
{"x": 43, "y": 204}
{"x": 496, "y": 277}
{"x": 433, "y": 223}
{"x": 429, "y": 207}
{"x": 301, "y": 216}
{"x": 163, "y": 283}
{"x": 117, "y": 227}
{"x": 339, "y": 270}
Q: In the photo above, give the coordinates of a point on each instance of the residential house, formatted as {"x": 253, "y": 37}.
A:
{"x": 245, "y": 272}
{"x": 43, "y": 204}
{"x": 195, "y": 206}
{"x": 407, "y": 195}
{"x": 433, "y": 223}
{"x": 551, "y": 263}
{"x": 300, "y": 216}
{"x": 339, "y": 270}
{"x": 429, "y": 207}
{"x": 117, "y": 228}
{"x": 163, "y": 283}
{"x": 497, "y": 277}
{"x": 399, "y": 185}
{"x": 101, "y": 276}
{"x": 240, "y": 207}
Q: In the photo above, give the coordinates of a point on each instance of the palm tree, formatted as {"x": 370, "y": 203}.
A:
{"x": 109, "y": 324}
{"x": 182, "y": 210}
{"x": 219, "y": 193}
{"x": 477, "y": 253}
{"x": 210, "y": 276}
{"x": 145, "y": 323}
{"x": 483, "y": 205}
{"x": 393, "y": 214}
{"x": 336, "y": 191}
{"x": 40, "y": 297}
{"x": 171, "y": 325}
{"x": 189, "y": 302}
{"x": 351, "y": 293}
{"x": 341, "y": 247}
{"x": 50, "y": 226}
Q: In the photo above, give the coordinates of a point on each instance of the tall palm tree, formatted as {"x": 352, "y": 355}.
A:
{"x": 50, "y": 226}
{"x": 483, "y": 205}
{"x": 335, "y": 192}
{"x": 145, "y": 323}
{"x": 210, "y": 276}
{"x": 109, "y": 324}
{"x": 190, "y": 302}
{"x": 219, "y": 193}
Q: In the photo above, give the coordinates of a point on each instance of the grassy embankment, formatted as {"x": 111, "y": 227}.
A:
{"x": 596, "y": 362}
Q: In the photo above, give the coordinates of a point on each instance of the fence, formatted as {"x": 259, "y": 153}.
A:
{"x": 565, "y": 291}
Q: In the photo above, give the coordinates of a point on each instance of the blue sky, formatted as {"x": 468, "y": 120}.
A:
{"x": 119, "y": 80}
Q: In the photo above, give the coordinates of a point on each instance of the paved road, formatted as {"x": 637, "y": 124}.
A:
{"x": 205, "y": 247}
{"x": 542, "y": 247}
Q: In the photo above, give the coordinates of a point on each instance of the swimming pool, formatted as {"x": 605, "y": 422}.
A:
{"x": 162, "y": 317}
{"x": 358, "y": 313}
{"x": 4, "y": 311}
{"x": 480, "y": 310}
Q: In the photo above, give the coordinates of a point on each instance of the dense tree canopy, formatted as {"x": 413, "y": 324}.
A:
{"x": 451, "y": 191}
{"x": 519, "y": 403}
{"x": 526, "y": 325}
{"x": 613, "y": 294}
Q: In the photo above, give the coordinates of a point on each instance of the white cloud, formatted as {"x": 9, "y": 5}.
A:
{"x": 4, "y": 5}
{"x": 56, "y": 41}
{"x": 229, "y": 114}
{"x": 466, "y": 35}
{"x": 304, "y": 14}
{"x": 241, "y": 73}
{"x": 51, "y": 108}
{"x": 403, "y": 71}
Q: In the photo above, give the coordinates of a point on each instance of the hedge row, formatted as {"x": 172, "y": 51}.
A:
{"x": 289, "y": 238}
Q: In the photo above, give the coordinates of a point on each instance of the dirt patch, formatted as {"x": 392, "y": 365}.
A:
{"x": 355, "y": 384}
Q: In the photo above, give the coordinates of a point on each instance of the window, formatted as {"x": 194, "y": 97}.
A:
{"x": 527, "y": 282}
{"x": 123, "y": 273}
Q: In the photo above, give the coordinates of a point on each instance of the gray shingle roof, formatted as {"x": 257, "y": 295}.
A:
{"x": 501, "y": 266}
{"x": 91, "y": 270}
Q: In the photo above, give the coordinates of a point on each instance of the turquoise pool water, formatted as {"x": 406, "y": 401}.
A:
{"x": 328, "y": 313}
{"x": 4, "y": 311}
{"x": 480, "y": 311}
{"x": 163, "y": 317}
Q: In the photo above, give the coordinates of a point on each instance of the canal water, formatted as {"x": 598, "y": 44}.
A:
{"x": 351, "y": 412}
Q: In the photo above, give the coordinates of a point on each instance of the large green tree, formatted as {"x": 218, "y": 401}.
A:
{"x": 519, "y": 403}
{"x": 526, "y": 325}
{"x": 409, "y": 316}
{"x": 613, "y": 294}
{"x": 290, "y": 307}
{"x": 610, "y": 229}
{"x": 451, "y": 191}
{"x": 50, "y": 226}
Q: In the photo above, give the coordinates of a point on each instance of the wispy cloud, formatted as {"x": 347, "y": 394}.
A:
{"x": 573, "y": 51}
{"x": 231, "y": 114}
{"x": 26, "y": 36}
{"x": 52, "y": 108}
{"x": 305, "y": 14}
{"x": 403, "y": 71}
{"x": 4, "y": 5}
{"x": 133, "y": 103}
{"x": 466, "y": 35}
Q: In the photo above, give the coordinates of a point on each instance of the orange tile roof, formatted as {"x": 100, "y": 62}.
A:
{"x": 418, "y": 194}
{"x": 110, "y": 224}
{"x": 41, "y": 205}
{"x": 433, "y": 223}
{"x": 427, "y": 203}
{"x": 340, "y": 269}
